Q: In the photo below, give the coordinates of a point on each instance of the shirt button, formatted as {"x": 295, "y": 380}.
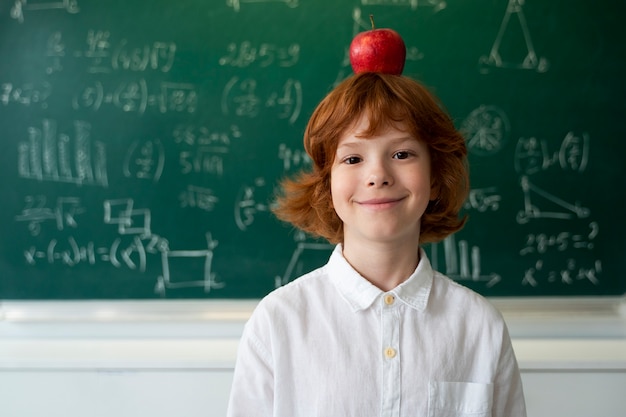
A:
{"x": 389, "y": 299}
{"x": 390, "y": 353}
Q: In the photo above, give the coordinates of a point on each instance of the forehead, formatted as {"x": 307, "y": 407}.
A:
{"x": 363, "y": 128}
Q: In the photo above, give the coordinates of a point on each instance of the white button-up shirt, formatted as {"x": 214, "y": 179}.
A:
{"x": 331, "y": 344}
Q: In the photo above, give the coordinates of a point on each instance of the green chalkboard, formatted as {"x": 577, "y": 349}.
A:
{"x": 141, "y": 142}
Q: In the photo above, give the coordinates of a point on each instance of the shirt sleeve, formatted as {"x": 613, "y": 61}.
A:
{"x": 508, "y": 392}
{"x": 252, "y": 391}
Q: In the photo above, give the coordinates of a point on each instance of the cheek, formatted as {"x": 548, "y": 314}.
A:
{"x": 337, "y": 193}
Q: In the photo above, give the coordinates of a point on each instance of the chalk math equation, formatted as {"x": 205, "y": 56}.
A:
{"x": 487, "y": 130}
{"x": 103, "y": 55}
{"x": 209, "y": 138}
{"x": 45, "y": 157}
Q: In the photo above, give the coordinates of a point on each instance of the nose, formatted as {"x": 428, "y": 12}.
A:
{"x": 379, "y": 175}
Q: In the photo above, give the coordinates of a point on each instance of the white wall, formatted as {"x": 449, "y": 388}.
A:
{"x": 158, "y": 359}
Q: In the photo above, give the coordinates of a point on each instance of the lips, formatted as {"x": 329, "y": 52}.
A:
{"x": 379, "y": 203}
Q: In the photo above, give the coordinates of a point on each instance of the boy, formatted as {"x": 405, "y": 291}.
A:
{"x": 376, "y": 331}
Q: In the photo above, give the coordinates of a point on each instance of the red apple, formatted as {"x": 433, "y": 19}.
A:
{"x": 378, "y": 50}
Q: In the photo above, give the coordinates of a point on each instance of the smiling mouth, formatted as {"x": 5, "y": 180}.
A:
{"x": 380, "y": 202}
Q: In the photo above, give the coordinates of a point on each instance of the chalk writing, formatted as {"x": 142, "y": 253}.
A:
{"x": 295, "y": 266}
{"x": 130, "y": 252}
{"x": 135, "y": 97}
{"x": 293, "y": 158}
{"x": 241, "y": 97}
{"x": 532, "y": 155}
{"x": 245, "y": 54}
{"x": 236, "y": 4}
{"x": 246, "y": 206}
{"x": 529, "y": 59}
{"x": 176, "y": 265}
{"x": 63, "y": 214}
{"x": 193, "y": 135}
{"x": 483, "y": 199}
{"x": 437, "y": 5}
{"x": 203, "y": 149}
{"x": 104, "y": 57}
{"x": 145, "y": 160}
{"x": 26, "y": 94}
{"x": 198, "y": 197}
{"x": 534, "y": 196}
{"x": 567, "y": 275}
{"x": 55, "y": 51}
{"x": 98, "y": 51}
{"x": 196, "y": 113}
{"x": 49, "y": 155}
{"x": 131, "y": 249}
{"x": 69, "y": 252}
{"x": 21, "y": 6}
{"x": 207, "y": 160}
{"x": 542, "y": 242}
{"x": 157, "y": 56}
{"x": 129, "y": 220}
{"x": 462, "y": 262}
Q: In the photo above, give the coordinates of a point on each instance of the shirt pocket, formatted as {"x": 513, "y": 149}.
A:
{"x": 459, "y": 399}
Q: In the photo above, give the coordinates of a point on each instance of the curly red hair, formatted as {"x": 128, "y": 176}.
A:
{"x": 387, "y": 100}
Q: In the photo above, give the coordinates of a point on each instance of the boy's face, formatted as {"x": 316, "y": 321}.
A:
{"x": 380, "y": 185}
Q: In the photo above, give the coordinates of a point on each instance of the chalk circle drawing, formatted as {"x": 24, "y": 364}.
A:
{"x": 486, "y": 130}
{"x": 528, "y": 59}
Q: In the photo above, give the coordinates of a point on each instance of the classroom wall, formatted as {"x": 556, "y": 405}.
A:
{"x": 176, "y": 358}
{"x": 70, "y": 76}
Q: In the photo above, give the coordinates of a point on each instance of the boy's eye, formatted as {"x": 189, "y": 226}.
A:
{"x": 401, "y": 155}
{"x": 352, "y": 160}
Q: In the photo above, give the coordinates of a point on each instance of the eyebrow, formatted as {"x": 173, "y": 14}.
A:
{"x": 355, "y": 141}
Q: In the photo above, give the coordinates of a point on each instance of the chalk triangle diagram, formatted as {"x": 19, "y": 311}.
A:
{"x": 541, "y": 204}
{"x": 513, "y": 46}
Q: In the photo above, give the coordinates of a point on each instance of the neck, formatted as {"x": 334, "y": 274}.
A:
{"x": 384, "y": 265}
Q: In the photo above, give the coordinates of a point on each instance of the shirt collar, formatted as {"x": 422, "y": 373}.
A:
{"x": 361, "y": 294}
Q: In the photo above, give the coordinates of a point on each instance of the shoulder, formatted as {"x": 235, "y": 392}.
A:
{"x": 448, "y": 296}
{"x": 298, "y": 289}
{"x": 292, "y": 300}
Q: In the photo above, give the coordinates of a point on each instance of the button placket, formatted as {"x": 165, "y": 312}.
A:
{"x": 390, "y": 326}
{"x": 391, "y": 355}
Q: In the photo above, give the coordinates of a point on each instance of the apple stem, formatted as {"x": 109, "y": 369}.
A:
{"x": 372, "y": 20}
